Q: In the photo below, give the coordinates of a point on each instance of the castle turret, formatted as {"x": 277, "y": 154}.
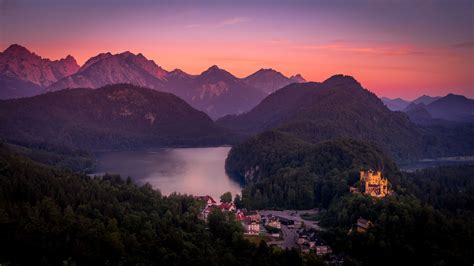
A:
{"x": 375, "y": 185}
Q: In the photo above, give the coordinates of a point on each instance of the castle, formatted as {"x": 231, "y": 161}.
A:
{"x": 375, "y": 185}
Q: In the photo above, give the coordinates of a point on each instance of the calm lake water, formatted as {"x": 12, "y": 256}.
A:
{"x": 197, "y": 171}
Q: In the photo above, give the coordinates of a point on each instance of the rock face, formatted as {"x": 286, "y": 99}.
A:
{"x": 105, "y": 69}
{"x": 112, "y": 117}
{"x": 269, "y": 80}
{"x": 23, "y": 73}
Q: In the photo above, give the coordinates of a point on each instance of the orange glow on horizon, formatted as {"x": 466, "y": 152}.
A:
{"x": 428, "y": 51}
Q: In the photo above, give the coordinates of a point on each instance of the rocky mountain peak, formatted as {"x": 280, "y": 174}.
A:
{"x": 298, "y": 78}
{"x": 16, "y": 49}
{"x": 342, "y": 80}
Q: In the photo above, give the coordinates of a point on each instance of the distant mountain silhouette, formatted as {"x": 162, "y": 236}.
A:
{"x": 435, "y": 110}
{"x": 418, "y": 113}
{"x": 24, "y": 74}
{"x": 425, "y": 99}
{"x": 397, "y": 104}
{"x": 112, "y": 117}
{"x": 217, "y": 92}
{"x": 269, "y": 80}
{"x": 336, "y": 108}
{"x": 452, "y": 108}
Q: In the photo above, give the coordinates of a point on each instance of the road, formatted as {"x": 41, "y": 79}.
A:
{"x": 289, "y": 238}
{"x": 295, "y": 216}
{"x": 289, "y": 234}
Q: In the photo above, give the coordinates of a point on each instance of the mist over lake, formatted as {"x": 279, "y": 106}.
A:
{"x": 197, "y": 171}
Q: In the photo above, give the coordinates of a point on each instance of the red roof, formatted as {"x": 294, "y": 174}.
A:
{"x": 206, "y": 198}
{"x": 240, "y": 216}
{"x": 226, "y": 205}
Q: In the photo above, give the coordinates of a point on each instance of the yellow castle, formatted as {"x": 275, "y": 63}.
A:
{"x": 375, "y": 185}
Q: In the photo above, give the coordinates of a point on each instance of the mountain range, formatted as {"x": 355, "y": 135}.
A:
{"x": 24, "y": 74}
{"x": 432, "y": 110}
{"x": 214, "y": 91}
{"x": 269, "y": 80}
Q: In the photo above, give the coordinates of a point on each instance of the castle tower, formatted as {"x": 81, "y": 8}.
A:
{"x": 375, "y": 185}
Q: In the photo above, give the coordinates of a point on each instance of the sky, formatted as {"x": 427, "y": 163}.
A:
{"x": 395, "y": 48}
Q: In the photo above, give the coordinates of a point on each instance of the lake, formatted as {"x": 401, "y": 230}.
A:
{"x": 443, "y": 161}
{"x": 197, "y": 171}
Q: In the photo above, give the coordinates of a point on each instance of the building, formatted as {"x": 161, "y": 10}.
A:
{"x": 206, "y": 211}
{"x": 363, "y": 225}
{"x": 240, "y": 215}
{"x": 207, "y": 199}
{"x": 252, "y": 227}
{"x": 374, "y": 184}
{"x": 323, "y": 250}
{"x": 273, "y": 221}
{"x": 227, "y": 206}
{"x": 253, "y": 215}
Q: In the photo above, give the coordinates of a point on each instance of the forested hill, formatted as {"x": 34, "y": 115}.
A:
{"x": 113, "y": 117}
{"x": 427, "y": 220}
{"x": 282, "y": 171}
{"x": 53, "y": 217}
{"x": 338, "y": 107}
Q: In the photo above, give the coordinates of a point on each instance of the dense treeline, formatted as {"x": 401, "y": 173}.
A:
{"x": 119, "y": 116}
{"x": 339, "y": 107}
{"x": 405, "y": 231}
{"x": 62, "y": 157}
{"x": 284, "y": 172}
{"x": 445, "y": 140}
{"x": 430, "y": 221}
{"x": 50, "y": 216}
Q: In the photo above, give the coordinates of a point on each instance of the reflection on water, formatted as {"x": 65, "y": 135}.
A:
{"x": 197, "y": 171}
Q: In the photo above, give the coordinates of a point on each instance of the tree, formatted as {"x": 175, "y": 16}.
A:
{"x": 238, "y": 201}
{"x": 226, "y": 197}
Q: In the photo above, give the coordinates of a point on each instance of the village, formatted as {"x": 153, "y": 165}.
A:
{"x": 297, "y": 229}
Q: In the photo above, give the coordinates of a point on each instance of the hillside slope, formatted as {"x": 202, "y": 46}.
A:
{"x": 336, "y": 108}
{"x": 113, "y": 117}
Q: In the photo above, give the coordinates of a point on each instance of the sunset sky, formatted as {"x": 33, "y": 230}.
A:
{"x": 402, "y": 48}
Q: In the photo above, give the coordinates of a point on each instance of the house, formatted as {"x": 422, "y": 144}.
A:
{"x": 240, "y": 215}
{"x": 363, "y": 225}
{"x": 252, "y": 227}
{"x": 206, "y": 211}
{"x": 353, "y": 190}
{"x": 227, "y": 206}
{"x": 301, "y": 241}
{"x": 273, "y": 221}
{"x": 207, "y": 199}
{"x": 323, "y": 250}
{"x": 254, "y": 215}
